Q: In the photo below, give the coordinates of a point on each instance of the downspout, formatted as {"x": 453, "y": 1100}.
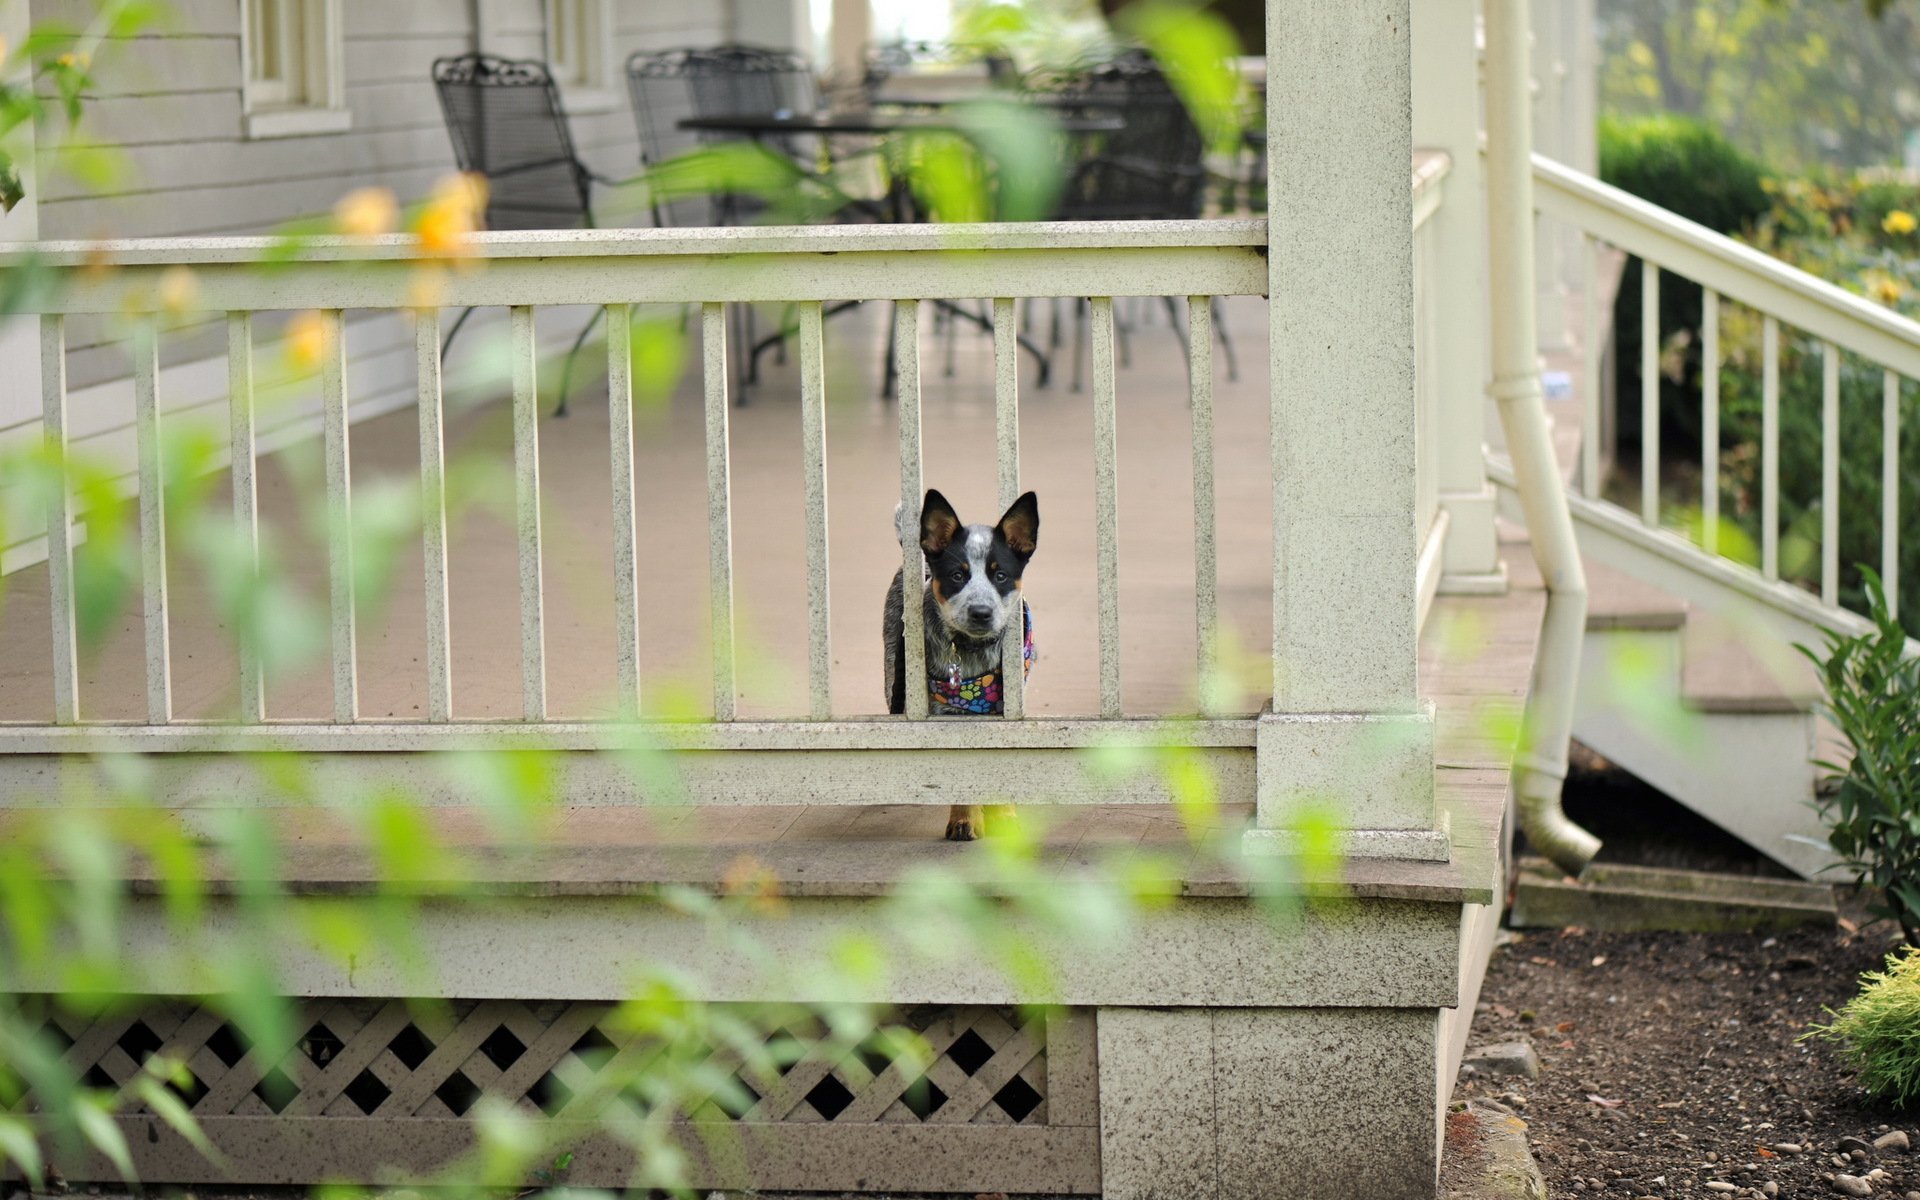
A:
{"x": 1540, "y": 768}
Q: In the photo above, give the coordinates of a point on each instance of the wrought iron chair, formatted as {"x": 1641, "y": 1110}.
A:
{"x": 1153, "y": 168}
{"x": 506, "y": 123}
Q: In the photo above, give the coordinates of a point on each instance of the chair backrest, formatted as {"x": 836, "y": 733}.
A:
{"x": 1153, "y": 167}
{"x": 505, "y": 119}
{"x": 669, "y": 86}
{"x": 885, "y": 60}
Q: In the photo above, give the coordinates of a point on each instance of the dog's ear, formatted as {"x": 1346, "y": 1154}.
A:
{"x": 938, "y": 523}
{"x": 1020, "y": 525}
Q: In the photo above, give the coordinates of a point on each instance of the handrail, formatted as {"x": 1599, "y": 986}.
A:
{"x": 1737, "y": 271}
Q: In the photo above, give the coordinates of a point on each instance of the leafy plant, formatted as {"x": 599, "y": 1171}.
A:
{"x": 1879, "y": 1029}
{"x": 1872, "y": 812}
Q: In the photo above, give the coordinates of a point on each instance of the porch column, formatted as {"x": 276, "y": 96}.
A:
{"x": 851, "y": 30}
{"x": 1347, "y": 739}
{"x": 20, "y": 335}
{"x": 1446, "y": 116}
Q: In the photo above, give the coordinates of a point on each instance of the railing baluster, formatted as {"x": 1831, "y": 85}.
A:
{"x": 626, "y": 584}
{"x": 433, "y": 513}
{"x": 333, "y": 403}
{"x": 241, "y": 462}
{"x": 813, "y": 435}
{"x": 1890, "y": 491}
{"x": 153, "y": 520}
{"x": 1710, "y": 422}
{"x": 1829, "y": 473}
{"x": 1649, "y": 393}
{"x": 1106, "y": 505}
{"x": 1590, "y": 374}
{"x": 1770, "y": 448}
{"x": 53, "y": 415}
{"x": 906, "y": 360}
{"x": 1006, "y": 426}
{"x": 1206, "y": 571}
{"x": 713, "y": 330}
{"x": 526, "y": 472}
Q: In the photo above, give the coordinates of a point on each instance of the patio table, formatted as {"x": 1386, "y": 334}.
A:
{"x": 878, "y": 122}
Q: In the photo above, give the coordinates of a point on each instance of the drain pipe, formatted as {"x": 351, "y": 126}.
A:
{"x": 1541, "y": 766}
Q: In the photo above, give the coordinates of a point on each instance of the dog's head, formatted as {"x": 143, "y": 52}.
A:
{"x": 975, "y": 569}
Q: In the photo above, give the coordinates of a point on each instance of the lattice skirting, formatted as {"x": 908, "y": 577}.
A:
{"x": 1009, "y": 1102}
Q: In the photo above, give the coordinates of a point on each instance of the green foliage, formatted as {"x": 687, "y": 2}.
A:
{"x": 1871, "y": 804}
{"x": 1799, "y": 84}
{"x": 1878, "y": 1030}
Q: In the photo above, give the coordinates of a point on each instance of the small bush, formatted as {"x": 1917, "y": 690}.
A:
{"x": 1878, "y": 1030}
{"x": 1687, "y": 167}
{"x": 1872, "y": 812}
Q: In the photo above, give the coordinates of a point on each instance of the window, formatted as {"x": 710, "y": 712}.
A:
{"x": 291, "y": 50}
{"x": 579, "y": 34}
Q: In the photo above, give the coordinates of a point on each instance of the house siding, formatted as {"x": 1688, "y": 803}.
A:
{"x": 169, "y": 103}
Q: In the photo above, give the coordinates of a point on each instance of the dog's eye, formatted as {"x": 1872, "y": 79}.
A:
{"x": 958, "y": 577}
{"x": 999, "y": 576}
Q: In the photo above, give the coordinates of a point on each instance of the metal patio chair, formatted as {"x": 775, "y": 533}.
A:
{"x": 1153, "y": 168}
{"x": 506, "y": 122}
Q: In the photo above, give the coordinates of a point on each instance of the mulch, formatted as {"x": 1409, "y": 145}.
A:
{"x": 1670, "y": 1061}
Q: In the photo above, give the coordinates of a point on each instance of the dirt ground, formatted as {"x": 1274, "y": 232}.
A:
{"x": 1672, "y": 1062}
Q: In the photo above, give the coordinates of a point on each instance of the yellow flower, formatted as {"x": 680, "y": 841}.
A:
{"x": 1888, "y": 291}
{"x": 366, "y": 211}
{"x": 73, "y": 62}
{"x": 1900, "y": 221}
{"x": 451, "y": 214}
{"x": 309, "y": 338}
{"x": 178, "y": 290}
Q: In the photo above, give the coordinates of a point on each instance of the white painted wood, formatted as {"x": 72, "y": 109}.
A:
{"x": 1006, "y": 427}
{"x": 713, "y": 328}
{"x": 1710, "y": 360}
{"x": 53, "y": 410}
{"x": 876, "y": 733}
{"x": 246, "y": 497}
{"x": 813, "y": 451}
{"x": 1770, "y": 448}
{"x": 906, "y": 362}
{"x": 1738, "y": 272}
{"x": 626, "y": 583}
{"x": 144, "y": 346}
{"x": 333, "y": 402}
{"x": 1340, "y": 346}
{"x": 1106, "y": 505}
{"x": 433, "y": 514}
{"x": 1829, "y": 474}
{"x": 1206, "y": 567}
{"x": 1650, "y": 393}
{"x": 1890, "y": 490}
{"x": 526, "y": 490}
{"x": 1590, "y": 358}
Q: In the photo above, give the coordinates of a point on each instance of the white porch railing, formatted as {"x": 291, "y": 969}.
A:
{"x": 1782, "y": 295}
{"x": 708, "y": 269}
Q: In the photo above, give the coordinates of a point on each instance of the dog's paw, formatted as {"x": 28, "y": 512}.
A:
{"x": 963, "y": 829}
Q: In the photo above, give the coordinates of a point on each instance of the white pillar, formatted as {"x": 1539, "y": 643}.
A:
{"x": 1446, "y": 116}
{"x": 1347, "y": 733}
{"x": 847, "y": 44}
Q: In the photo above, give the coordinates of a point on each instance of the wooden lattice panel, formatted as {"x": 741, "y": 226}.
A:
{"x": 395, "y": 1065}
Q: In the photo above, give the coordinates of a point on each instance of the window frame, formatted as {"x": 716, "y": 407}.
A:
{"x": 585, "y": 76}
{"x": 309, "y": 96}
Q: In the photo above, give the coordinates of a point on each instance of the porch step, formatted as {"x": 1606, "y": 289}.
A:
{"x": 1625, "y": 899}
{"x": 1616, "y": 600}
{"x": 1725, "y": 668}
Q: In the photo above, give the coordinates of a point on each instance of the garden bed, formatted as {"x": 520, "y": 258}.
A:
{"x": 1671, "y": 1062}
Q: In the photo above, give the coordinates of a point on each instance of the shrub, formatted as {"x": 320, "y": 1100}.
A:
{"x": 1872, "y": 805}
{"x": 1879, "y": 1029}
{"x": 1689, "y": 168}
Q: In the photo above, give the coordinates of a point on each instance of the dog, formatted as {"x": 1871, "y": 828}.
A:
{"x": 970, "y": 590}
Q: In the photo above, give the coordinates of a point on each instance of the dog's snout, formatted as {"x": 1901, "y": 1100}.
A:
{"x": 980, "y": 614}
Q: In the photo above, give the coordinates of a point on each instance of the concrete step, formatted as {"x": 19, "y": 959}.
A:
{"x": 1626, "y": 899}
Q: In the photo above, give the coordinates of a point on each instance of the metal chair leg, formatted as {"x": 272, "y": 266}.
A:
{"x": 566, "y": 368}
{"x": 1079, "y": 341}
{"x": 458, "y": 321}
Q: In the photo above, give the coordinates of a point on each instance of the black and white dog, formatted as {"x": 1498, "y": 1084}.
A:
{"x": 970, "y": 591}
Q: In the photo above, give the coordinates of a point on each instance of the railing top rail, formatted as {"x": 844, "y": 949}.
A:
{"x": 1735, "y": 270}
{"x": 627, "y": 243}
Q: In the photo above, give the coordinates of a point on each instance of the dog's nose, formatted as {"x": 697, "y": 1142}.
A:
{"x": 980, "y": 614}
